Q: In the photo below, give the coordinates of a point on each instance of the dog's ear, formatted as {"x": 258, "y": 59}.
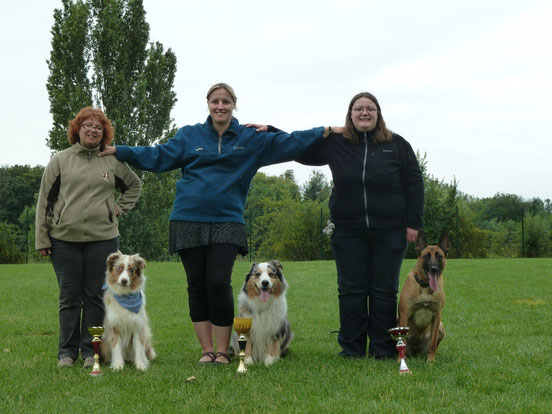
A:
{"x": 278, "y": 267}
{"x": 250, "y": 273}
{"x": 140, "y": 261}
{"x": 112, "y": 258}
{"x": 276, "y": 264}
{"x": 248, "y": 276}
{"x": 420, "y": 242}
{"x": 444, "y": 242}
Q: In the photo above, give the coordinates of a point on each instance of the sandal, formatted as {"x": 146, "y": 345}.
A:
{"x": 212, "y": 357}
{"x": 222, "y": 354}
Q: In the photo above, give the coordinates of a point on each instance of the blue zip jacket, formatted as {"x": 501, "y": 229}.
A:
{"x": 217, "y": 170}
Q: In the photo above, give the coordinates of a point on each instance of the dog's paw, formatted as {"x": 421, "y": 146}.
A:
{"x": 269, "y": 360}
{"x": 430, "y": 358}
{"x": 117, "y": 365}
{"x": 151, "y": 354}
{"x": 141, "y": 365}
{"x": 248, "y": 360}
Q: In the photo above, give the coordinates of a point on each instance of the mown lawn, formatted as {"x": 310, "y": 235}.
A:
{"x": 495, "y": 356}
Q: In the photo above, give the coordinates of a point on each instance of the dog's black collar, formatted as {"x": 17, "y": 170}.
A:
{"x": 420, "y": 281}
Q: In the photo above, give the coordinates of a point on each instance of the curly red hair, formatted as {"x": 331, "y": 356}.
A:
{"x": 83, "y": 115}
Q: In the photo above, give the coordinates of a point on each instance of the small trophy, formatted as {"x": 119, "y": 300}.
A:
{"x": 96, "y": 332}
{"x": 398, "y": 334}
{"x": 242, "y": 326}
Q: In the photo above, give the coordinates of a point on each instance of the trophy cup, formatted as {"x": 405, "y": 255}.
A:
{"x": 242, "y": 326}
{"x": 96, "y": 332}
{"x": 398, "y": 334}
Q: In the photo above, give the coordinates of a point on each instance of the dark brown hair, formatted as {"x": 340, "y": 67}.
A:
{"x": 84, "y": 114}
{"x": 381, "y": 133}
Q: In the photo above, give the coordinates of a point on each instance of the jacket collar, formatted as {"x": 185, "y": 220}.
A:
{"x": 232, "y": 128}
{"x": 79, "y": 149}
{"x": 367, "y": 134}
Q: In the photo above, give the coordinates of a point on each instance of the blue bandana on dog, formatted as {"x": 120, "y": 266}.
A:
{"x": 132, "y": 301}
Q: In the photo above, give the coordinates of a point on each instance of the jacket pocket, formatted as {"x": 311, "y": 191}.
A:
{"x": 60, "y": 213}
{"x": 109, "y": 211}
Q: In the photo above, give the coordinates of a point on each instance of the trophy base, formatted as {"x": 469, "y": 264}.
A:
{"x": 242, "y": 368}
{"x": 96, "y": 369}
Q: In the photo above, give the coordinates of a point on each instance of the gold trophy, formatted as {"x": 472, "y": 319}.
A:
{"x": 96, "y": 332}
{"x": 242, "y": 326}
{"x": 398, "y": 334}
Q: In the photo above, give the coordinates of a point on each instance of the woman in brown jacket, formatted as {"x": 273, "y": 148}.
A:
{"x": 76, "y": 225}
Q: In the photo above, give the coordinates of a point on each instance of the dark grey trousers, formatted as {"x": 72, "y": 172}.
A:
{"x": 368, "y": 266}
{"x": 80, "y": 270}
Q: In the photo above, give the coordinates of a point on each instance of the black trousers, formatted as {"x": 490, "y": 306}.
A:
{"x": 368, "y": 266}
{"x": 80, "y": 270}
{"x": 209, "y": 274}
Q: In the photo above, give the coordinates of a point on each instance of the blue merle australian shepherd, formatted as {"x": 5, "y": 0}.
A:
{"x": 263, "y": 298}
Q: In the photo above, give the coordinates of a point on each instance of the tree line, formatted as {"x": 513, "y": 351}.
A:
{"x": 102, "y": 56}
{"x": 284, "y": 220}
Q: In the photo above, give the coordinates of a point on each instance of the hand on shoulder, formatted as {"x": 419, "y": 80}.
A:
{"x": 260, "y": 127}
{"x": 108, "y": 150}
{"x": 332, "y": 130}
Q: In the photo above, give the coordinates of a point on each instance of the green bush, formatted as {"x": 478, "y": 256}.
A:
{"x": 9, "y": 244}
{"x": 537, "y": 236}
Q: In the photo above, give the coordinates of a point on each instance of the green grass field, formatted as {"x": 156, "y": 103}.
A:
{"x": 495, "y": 356}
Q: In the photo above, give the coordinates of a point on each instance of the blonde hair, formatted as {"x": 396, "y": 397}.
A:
{"x": 222, "y": 85}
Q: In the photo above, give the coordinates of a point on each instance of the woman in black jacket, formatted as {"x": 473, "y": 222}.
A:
{"x": 376, "y": 207}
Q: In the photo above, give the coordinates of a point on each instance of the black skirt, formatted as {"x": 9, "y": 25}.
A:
{"x": 188, "y": 234}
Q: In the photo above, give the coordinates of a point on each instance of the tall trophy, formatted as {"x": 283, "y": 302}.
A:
{"x": 242, "y": 326}
{"x": 398, "y": 334}
{"x": 96, "y": 332}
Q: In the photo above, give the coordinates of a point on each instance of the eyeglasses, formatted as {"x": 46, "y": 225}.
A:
{"x": 364, "y": 108}
{"x": 89, "y": 126}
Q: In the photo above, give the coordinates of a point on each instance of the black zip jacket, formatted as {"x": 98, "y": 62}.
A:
{"x": 379, "y": 186}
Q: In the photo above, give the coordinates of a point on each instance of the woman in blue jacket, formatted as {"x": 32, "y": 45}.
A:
{"x": 218, "y": 160}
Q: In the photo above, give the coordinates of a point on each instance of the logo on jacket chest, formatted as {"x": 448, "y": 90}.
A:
{"x": 105, "y": 176}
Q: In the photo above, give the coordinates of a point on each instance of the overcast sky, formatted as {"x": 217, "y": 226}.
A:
{"x": 467, "y": 82}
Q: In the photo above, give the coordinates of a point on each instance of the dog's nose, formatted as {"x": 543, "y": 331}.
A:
{"x": 124, "y": 282}
{"x": 434, "y": 269}
{"x": 264, "y": 283}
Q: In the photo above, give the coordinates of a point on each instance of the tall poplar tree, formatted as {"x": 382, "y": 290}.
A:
{"x": 101, "y": 56}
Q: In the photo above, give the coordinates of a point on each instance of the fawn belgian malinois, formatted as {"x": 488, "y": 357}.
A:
{"x": 423, "y": 297}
